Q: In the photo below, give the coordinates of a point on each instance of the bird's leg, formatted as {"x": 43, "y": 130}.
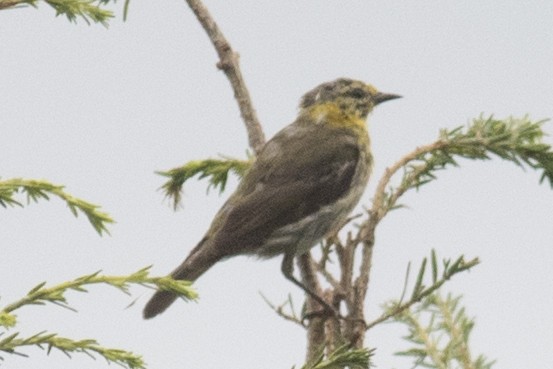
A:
{"x": 287, "y": 268}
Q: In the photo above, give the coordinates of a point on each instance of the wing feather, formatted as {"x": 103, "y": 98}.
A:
{"x": 286, "y": 184}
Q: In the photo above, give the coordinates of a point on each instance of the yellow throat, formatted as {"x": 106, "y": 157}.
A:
{"x": 331, "y": 113}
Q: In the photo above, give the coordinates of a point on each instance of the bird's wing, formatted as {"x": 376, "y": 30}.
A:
{"x": 285, "y": 184}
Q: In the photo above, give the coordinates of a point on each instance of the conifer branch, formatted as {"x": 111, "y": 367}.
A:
{"x": 342, "y": 357}
{"x": 216, "y": 170}
{"x": 39, "y": 189}
{"x": 88, "y": 10}
{"x": 420, "y": 290}
{"x": 518, "y": 140}
{"x": 439, "y": 330}
{"x": 40, "y": 295}
{"x": 50, "y": 341}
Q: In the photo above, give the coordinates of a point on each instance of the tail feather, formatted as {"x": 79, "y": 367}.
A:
{"x": 159, "y": 302}
{"x": 197, "y": 263}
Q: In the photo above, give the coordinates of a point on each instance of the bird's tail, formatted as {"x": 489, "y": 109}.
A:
{"x": 199, "y": 260}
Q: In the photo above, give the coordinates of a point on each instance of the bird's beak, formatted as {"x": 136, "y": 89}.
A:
{"x": 381, "y": 97}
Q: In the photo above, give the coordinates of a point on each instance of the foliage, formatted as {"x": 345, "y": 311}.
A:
{"x": 518, "y": 140}
{"x": 343, "y": 356}
{"x": 88, "y": 10}
{"x": 40, "y": 295}
{"x": 440, "y": 330}
{"x": 67, "y": 346}
{"x": 39, "y": 189}
{"x": 216, "y": 170}
{"x": 420, "y": 290}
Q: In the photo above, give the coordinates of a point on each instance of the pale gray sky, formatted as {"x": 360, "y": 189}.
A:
{"x": 99, "y": 110}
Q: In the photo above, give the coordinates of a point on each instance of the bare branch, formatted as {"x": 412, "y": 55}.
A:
{"x": 316, "y": 326}
{"x": 280, "y": 310}
{"x": 228, "y": 63}
{"x": 328, "y": 276}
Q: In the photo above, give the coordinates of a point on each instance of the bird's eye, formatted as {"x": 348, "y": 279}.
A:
{"x": 357, "y": 93}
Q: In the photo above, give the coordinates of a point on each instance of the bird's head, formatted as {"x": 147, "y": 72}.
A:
{"x": 342, "y": 100}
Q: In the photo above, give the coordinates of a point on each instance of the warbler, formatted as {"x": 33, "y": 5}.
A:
{"x": 301, "y": 188}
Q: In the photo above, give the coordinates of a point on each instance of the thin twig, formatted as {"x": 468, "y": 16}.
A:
{"x": 228, "y": 63}
{"x": 280, "y": 310}
{"x": 329, "y": 277}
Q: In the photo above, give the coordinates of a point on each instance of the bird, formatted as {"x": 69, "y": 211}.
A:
{"x": 301, "y": 188}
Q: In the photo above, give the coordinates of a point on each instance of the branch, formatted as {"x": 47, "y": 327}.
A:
{"x": 228, "y": 63}
{"x": 279, "y": 310}
{"x": 66, "y": 345}
{"x": 36, "y": 190}
{"x": 420, "y": 291}
{"x": 440, "y": 331}
{"x": 39, "y": 295}
{"x": 515, "y": 140}
{"x": 215, "y": 170}
{"x": 316, "y": 327}
{"x": 519, "y": 141}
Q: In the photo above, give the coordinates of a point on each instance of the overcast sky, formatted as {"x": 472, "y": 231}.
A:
{"x": 99, "y": 110}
